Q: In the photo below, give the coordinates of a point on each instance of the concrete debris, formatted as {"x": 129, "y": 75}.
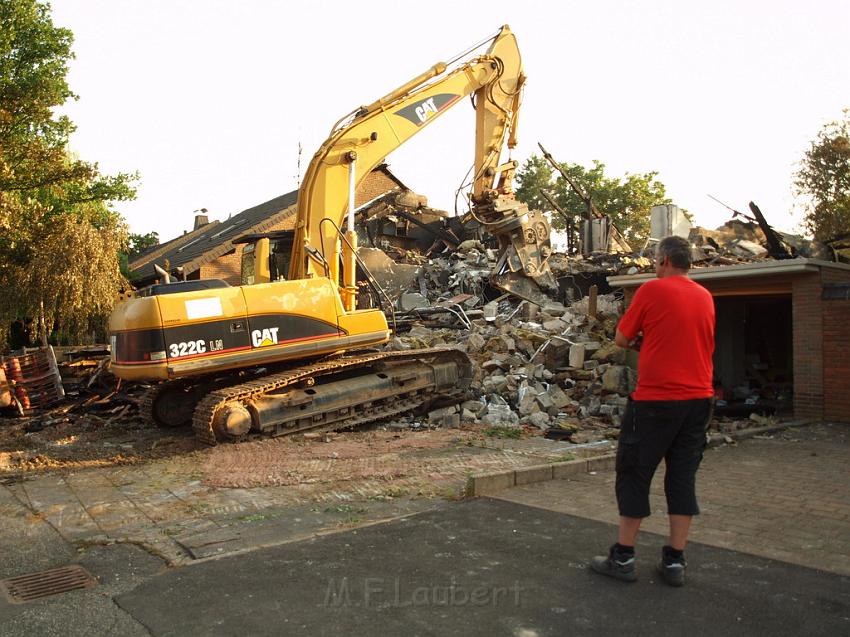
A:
{"x": 749, "y": 249}
{"x": 549, "y": 364}
{"x": 445, "y": 417}
{"x": 577, "y": 355}
{"x": 739, "y": 242}
{"x": 535, "y": 368}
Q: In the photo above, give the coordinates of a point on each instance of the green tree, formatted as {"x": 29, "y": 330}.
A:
{"x": 535, "y": 175}
{"x": 823, "y": 181}
{"x": 626, "y": 200}
{"x": 59, "y": 235}
{"x": 138, "y": 243}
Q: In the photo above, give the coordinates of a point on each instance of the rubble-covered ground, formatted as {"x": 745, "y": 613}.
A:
{"x": 549, "y": 372}
{"x": 539, "y": 370}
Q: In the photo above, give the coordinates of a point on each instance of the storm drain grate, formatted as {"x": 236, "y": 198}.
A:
{"x": 25, "y": 588}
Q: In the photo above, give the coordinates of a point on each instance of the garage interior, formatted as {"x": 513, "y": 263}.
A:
{"x": 753, "y": 357}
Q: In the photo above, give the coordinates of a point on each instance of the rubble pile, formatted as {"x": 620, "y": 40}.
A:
{"x": 89, "y": 393}
{"x": 458, "y": 281}
{"x": 744, "y": 242}
{"x": 458, "y": 274}
{"x": 430, "y": 264}
{"x": 549, "y": 368}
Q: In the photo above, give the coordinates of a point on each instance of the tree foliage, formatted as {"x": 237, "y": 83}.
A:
{"x": 823, "y": 180}
{"x": 138, "y": 243}
{"x": 626, "y": 200}
{"x": 59, "y": 235}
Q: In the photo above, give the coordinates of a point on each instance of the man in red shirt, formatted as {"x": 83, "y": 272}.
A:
{"x": 671, "y": 321}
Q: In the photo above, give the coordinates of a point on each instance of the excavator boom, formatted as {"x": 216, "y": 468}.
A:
{"x": 361, "y": 141}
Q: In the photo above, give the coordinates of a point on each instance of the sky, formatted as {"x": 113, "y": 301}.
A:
{"x": 210, "y": 100}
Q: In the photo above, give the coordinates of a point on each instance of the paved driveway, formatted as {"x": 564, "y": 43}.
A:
{"x": 785, "y": 496}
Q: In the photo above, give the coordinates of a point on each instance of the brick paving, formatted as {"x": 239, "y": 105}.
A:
{"x": 172, "y": 506}
{"x": 785, "y": 496}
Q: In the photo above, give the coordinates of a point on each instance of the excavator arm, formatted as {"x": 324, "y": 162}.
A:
{"x": 362, "y": 140}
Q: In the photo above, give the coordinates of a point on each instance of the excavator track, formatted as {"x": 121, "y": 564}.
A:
{"x": 203, "y": 420}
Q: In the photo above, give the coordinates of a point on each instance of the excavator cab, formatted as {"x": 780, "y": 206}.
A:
{"x": 266, "y": 256}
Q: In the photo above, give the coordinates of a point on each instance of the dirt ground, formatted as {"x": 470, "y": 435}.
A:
{"x": 375, "y": 454}
{"x": 68, "y": 438}
{"x": 27, "y": 445}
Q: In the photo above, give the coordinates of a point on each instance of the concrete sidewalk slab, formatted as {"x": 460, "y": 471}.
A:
{"x": 484, "y": 567}
{"x": 494, "y": 483}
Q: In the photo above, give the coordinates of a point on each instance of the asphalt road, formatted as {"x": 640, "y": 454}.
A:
{"x": 481, "y": 567}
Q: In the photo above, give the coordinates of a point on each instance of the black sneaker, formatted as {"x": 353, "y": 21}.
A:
{"x": 616, "y": 565}
{"x": 672, "y": 569}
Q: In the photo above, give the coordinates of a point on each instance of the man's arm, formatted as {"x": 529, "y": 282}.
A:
{"x": 632, "y": 322}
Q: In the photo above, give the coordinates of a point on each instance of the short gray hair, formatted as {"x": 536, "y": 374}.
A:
{"x": 676, "y": 250}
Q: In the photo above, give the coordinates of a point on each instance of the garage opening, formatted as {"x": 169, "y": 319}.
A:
{"x": 753, "y": 358}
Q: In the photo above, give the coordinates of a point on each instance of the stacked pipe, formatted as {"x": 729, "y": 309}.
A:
{"x": 35, "y": 378}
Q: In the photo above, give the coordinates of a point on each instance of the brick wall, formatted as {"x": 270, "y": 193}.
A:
{"x": 228, "y": 267}
{"x": 375, "y": 185}
{"x": 836, "y": 352}
{"x": 807, "y": 319}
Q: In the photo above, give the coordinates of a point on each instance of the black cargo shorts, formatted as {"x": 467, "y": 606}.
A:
{"x": 652, "y": 430}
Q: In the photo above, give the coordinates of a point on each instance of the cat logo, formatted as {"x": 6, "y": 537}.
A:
{"x": 424, "y": 110}
{"x": 262, "y": 338}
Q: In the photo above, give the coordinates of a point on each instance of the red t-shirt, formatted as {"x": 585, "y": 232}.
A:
{"x": 676, "y": 316}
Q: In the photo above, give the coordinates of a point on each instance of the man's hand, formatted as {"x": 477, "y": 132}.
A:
{"x": 621, "y": 340}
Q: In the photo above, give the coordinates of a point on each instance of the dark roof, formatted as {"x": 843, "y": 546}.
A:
{"x": 137, "y": 261}
{"x": 194, "y": 249}
{"x": 209, "y": 242}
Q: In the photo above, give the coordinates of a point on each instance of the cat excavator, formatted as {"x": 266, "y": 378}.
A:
{"x": 296, "y": 354}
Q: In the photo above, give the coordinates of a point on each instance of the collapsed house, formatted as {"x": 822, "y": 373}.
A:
{"x": 783, "y": 315}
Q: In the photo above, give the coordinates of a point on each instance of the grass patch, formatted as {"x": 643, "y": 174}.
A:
{"x": 390, "y": 494}
{"x": 351, "y": 520}
{"x": 567, "y": 457}
{"x": 450, "y": 493}
{"x": 503, "y": 432}
{"x": 258, "y": 517}
{"x": 345, "y": 508}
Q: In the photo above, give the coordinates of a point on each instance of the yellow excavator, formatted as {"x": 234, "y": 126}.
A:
{"x": 293, "y": 355}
